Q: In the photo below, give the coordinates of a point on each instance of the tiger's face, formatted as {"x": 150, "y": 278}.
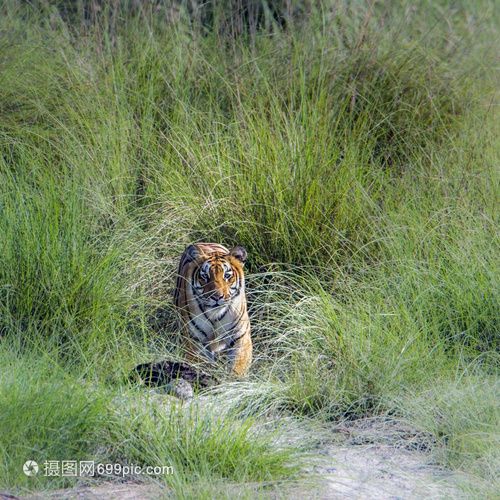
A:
{"x": 218, "y": 279}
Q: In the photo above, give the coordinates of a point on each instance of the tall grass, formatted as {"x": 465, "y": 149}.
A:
{"x": 351, "y": 147}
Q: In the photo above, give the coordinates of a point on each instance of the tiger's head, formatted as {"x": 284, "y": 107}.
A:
{"x": 217, "y": 278}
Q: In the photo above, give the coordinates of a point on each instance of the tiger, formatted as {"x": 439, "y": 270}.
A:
{"x": 212, "y": 307}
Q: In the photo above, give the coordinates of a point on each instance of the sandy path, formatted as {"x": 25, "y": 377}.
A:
{"x": 381, "y": 472}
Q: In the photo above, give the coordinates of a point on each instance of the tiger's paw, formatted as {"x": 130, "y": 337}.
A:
{"x": 181, "y": 389}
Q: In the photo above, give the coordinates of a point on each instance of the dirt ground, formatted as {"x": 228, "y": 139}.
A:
{"x": 382, "y": 472}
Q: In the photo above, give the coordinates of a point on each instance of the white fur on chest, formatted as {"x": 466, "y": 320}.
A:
{"x": 214, "y": 323}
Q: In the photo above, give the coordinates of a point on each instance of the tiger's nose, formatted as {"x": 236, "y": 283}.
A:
{"x": 217, "y": 296}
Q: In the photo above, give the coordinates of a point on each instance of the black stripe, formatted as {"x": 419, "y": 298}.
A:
{"x": 200, "y": 305}
{"x": 225, "y": 312}
{"x": 233, "y": 340}
{"x": 235, "y": 323}
{"x": 238, "y": 287}
{"x": 198, "y": 328}
{"x": 185, "y": 260}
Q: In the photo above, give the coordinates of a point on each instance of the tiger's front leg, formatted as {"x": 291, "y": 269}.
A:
{"x": 241, "y": 355}
{"x": 198, "y": 354}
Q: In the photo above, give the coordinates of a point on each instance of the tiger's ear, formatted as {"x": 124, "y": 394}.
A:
{"x": 240, "y": 253}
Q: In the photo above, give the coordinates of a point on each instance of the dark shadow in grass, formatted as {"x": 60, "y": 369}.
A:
{"x": 179, "y": 379}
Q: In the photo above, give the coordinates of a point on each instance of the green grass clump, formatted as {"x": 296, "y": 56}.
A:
{"x": 202, "y": 445}
{"x": 463, "y": 415}
{"x": 351, "y": 147}
{"x": 45, "y": 414}
{"x": 49, "y": 414}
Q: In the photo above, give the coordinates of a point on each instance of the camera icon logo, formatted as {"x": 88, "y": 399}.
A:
{"x": 30, "y": 468}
